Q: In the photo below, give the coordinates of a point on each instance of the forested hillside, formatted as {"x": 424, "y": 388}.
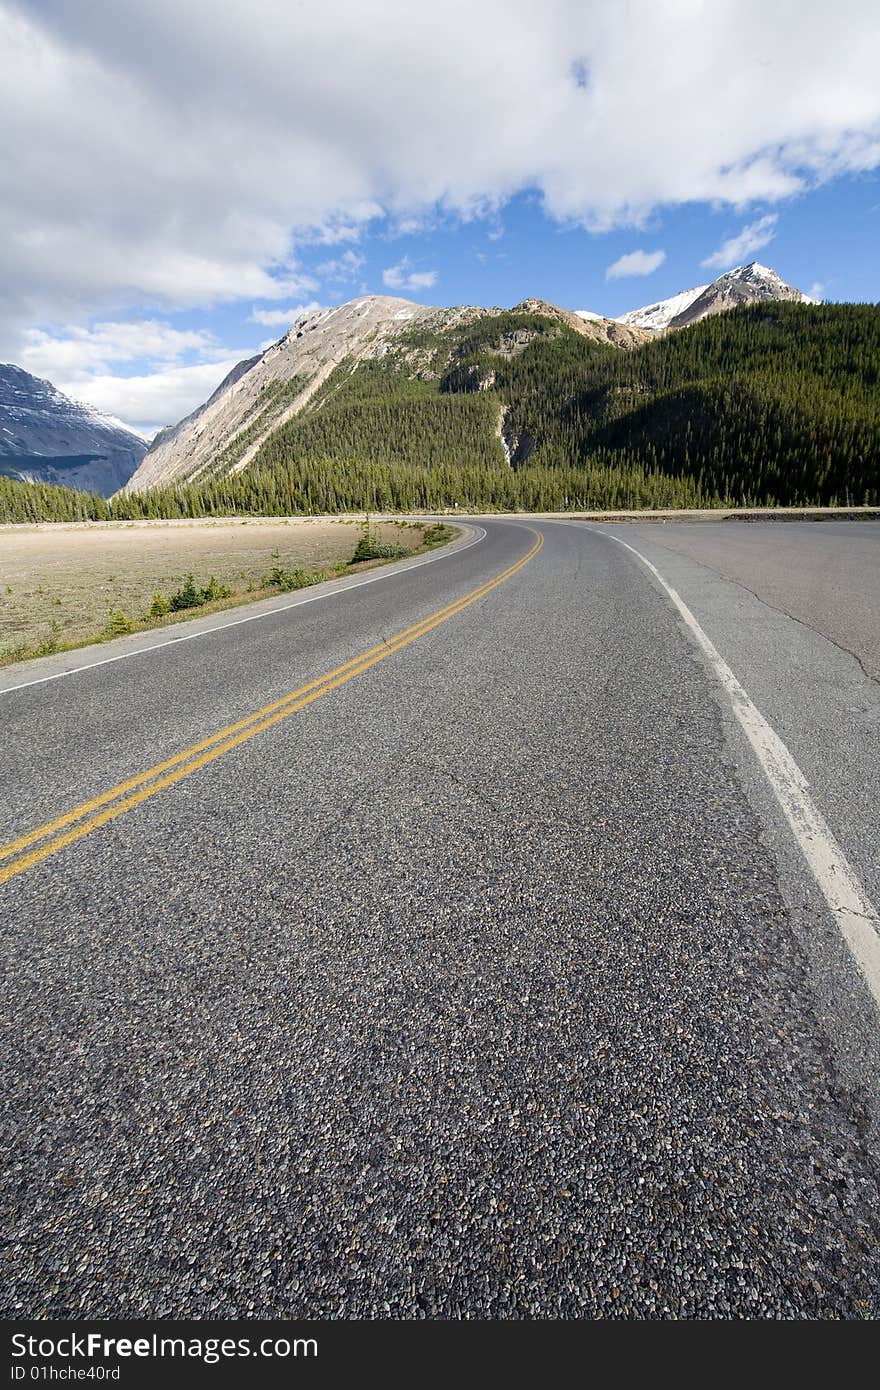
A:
{"x": 772, "y": 403}
{"x": 776, "y": 403}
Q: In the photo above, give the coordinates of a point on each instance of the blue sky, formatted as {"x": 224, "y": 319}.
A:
{"x": 827, "y": 240}
{"x": 180, "y": 179}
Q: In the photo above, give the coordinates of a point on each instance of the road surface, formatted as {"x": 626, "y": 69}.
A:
{"x": 437, "y": 946}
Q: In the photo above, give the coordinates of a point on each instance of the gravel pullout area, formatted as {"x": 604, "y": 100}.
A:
{"x": 469, "y": 992}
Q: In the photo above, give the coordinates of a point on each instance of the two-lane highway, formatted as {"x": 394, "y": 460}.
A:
{"x": 435, "y": 947}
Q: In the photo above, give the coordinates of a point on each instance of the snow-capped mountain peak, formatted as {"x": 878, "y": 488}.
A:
{"x": 744, "y": 284}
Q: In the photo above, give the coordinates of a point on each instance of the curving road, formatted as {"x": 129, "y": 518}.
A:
{"x": 437, "y": 946}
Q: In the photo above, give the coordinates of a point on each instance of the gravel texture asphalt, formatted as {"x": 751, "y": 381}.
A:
{"x": 474, "y": 989}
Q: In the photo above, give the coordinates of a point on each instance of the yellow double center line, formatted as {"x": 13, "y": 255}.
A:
{"x": 38, "y": 844}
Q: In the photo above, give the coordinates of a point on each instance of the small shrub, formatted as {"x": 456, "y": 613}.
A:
{"x": 187, "y": 597}
{"x": 280, "y": 577}
{"x": 214, "y": 591}
{"x": 118, "y": 624}
{"x": 438, "y": 534}
{"x": 160, "y": 606}
{"x": 19, "y": 652}
{"x": 368, "y": 548}
{"x": 191, "y": 596}
{"x": 285, "y": 579}
{"x": 48, "y": 644}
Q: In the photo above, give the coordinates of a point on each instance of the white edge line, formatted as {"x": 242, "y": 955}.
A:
{"x": 850, "y": 906}
{"x": 388, "y": 572}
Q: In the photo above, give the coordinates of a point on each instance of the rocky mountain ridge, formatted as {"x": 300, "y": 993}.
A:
{"x": 261, "y": 395}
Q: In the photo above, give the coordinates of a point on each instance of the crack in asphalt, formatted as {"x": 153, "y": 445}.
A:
{"x": 774, "y": 607}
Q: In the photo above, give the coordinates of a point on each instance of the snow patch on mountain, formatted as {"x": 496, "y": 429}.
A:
{"x": 661, "y": 314}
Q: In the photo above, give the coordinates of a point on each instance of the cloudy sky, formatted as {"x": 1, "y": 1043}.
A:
{"x": 180, "y": 176}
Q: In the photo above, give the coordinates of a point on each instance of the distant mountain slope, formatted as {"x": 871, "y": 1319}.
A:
{"x": 46, "y": 437}
{"x": 263, "y": 394}
{"x": 593, "y": 326}
{"x": 746, "y": 284}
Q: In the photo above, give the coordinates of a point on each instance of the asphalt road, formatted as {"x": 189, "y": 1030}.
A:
{"x": 822, "y": 576}
{"x": 484, "y": 979}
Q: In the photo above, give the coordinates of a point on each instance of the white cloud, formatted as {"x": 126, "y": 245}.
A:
{"x": 162, "y": 155}
{"x": 153, "y": 399}
{"x": 271, "y": 318}
{"x": 817, "y": 289}
{"x": 412, "y": 225}
{"x": 403, "y": 277}
{"x": 739, "y": 248}
{"x": 137, "y": 371}
{"x": 344, "y": 267}
{"x": 79, "y": 352}
{"x": 635, "y": 263}
{"x": 333, "y": 231}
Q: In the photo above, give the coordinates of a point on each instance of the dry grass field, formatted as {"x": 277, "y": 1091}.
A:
{"x": 63, "y": 584}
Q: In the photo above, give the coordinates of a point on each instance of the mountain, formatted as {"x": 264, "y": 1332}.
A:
{"x": 746, "y": 284}
{"x": 774, "y": 402}
{"x": 289, "y": 379}
{"x": 47, "y": 438}
{"x": 260, "y": 394}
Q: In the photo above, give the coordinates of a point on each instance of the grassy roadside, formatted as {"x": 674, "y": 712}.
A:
{"x": 195, "y": 598}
